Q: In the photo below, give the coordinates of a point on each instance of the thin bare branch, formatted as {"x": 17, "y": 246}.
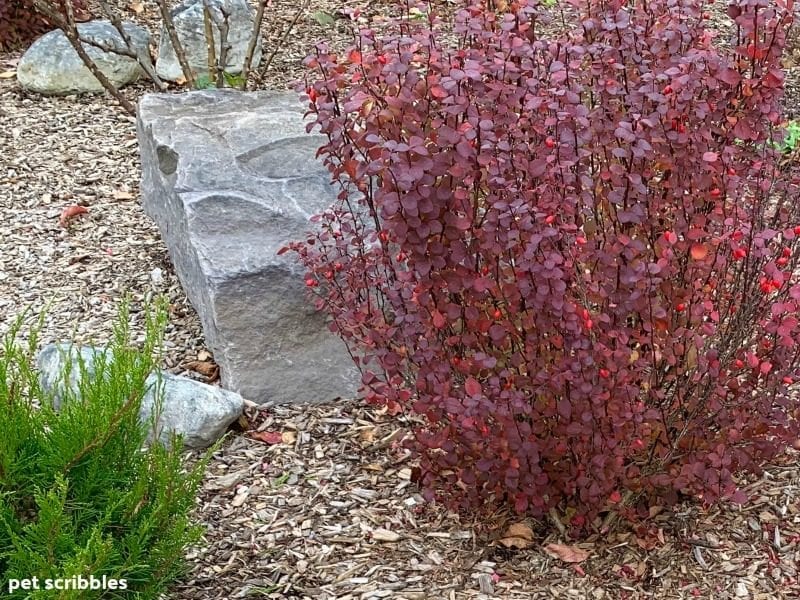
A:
{"x": 137, "y": 53}
{"x": 279, "y": 45}
{"x": 169, "y": 25}
{"x": 224, "y": 46}
{"x": 210, "y": 43}
{"x": 254, "y": 38}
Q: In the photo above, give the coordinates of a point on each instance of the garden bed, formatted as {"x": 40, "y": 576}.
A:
{"x": 329, "y": 510}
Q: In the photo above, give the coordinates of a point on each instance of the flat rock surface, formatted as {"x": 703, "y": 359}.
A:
{"x": 231, "y": 178}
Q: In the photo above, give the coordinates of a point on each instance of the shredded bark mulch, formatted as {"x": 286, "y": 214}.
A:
{"x": 317, "y": 501}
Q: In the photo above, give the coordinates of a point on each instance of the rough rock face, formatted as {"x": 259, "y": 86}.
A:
{"x": 190, "y": 28}
{"x": 51, "y": 65}
{"x": 200, "y": 413}
{"x": 230, "y": 178}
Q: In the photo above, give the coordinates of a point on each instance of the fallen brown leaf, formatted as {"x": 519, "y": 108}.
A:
{"x": 367, "y": 435}
{"x": 69, "y": 212}
{"x": 137, "y": 6}
{"x": 207, "y": 368}
{"x": 568, "y": 554}
{"x": 268, "y": 437}
{"x": 8, "y": 74}
{"x": 123, "y": 195}
{"x": 518, "y": 535}
{"x": 288, "y": 437}
{"x": 385, "y": 535}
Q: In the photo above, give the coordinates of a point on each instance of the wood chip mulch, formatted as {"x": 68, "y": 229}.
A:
{"x": 317, "y": 501}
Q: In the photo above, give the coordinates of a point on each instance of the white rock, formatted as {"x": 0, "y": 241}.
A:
{"x": 200, "y": 413}
{"x": 51, "y": 66}
{"x": 191, "y": 32}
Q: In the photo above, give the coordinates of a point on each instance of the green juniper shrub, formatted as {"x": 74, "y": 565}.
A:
{"x": 550, "y": 249}
{"x": 80, "y": 494}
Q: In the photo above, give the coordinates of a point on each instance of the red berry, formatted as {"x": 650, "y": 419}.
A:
{"x": 706, "y": 15}
{"x": 605, "y": 373}
{"x": 787, "y": 252}
{"x": 731, "y": 171}
{"x": 716, "y": 193}
{"x": 384, "y": 236}
{"x": 497, "y": 313}
{"x": 788, "y": 380}
{"x": 589, "y": 323}
{"x": 401, "y": 256}
{"x": 311, "y": 282}
{"x": 382, "y": 59}
{"x": 312, "y": 94}
{"x": 668, "y": 89}
{"x": 550, "y": 142}
{"x": 782, "y": 261}
{"x": 739, "y": 253}
{"x": 328, "y": 274}
{"x": 681, "y": 128}
{"x": 549, "y": 219}
{"x": 797, "y": 230}
{"x": 738, "y": 363}
{"x": 680, "y": 307}
{"x": 765, "y": 287}
{"x": 580, "y": 240}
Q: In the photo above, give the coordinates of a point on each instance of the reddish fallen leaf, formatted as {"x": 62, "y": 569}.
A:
{"x": 579, "y": 570}
{"x": 568, "y": 554}
{"x": 69, "y": 212}
{"x": 268, "y": 437}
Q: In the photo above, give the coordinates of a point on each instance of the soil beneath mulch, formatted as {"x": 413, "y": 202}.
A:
{"x": 330, "y": 511}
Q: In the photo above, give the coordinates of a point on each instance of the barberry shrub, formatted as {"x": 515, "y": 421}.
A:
{"x": 571, "y": 257}
{"x": 20, "y": 21}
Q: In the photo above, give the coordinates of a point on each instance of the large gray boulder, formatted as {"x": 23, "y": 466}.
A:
{"x": 51, "y": 66}
{"x": 230, "y": 178}
{"x": 190, "y": 28}
{"x": 200, "y": 413}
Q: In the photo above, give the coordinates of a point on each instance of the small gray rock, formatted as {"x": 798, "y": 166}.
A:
{"x": 200, "y": 413}
{"x": 191, "y": 32}
{"x": 52, "y": 67}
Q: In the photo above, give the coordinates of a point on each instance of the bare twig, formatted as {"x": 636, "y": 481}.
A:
{"x": 223, "y": 47}
{"x": 169, "y": 25}
{"x": 70, "y": 29}
{"x": 279, "y": 45}
{"x": 254, "y": 37}
{"x": 137, "y": 53}
{"x": 210, "y": 44}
